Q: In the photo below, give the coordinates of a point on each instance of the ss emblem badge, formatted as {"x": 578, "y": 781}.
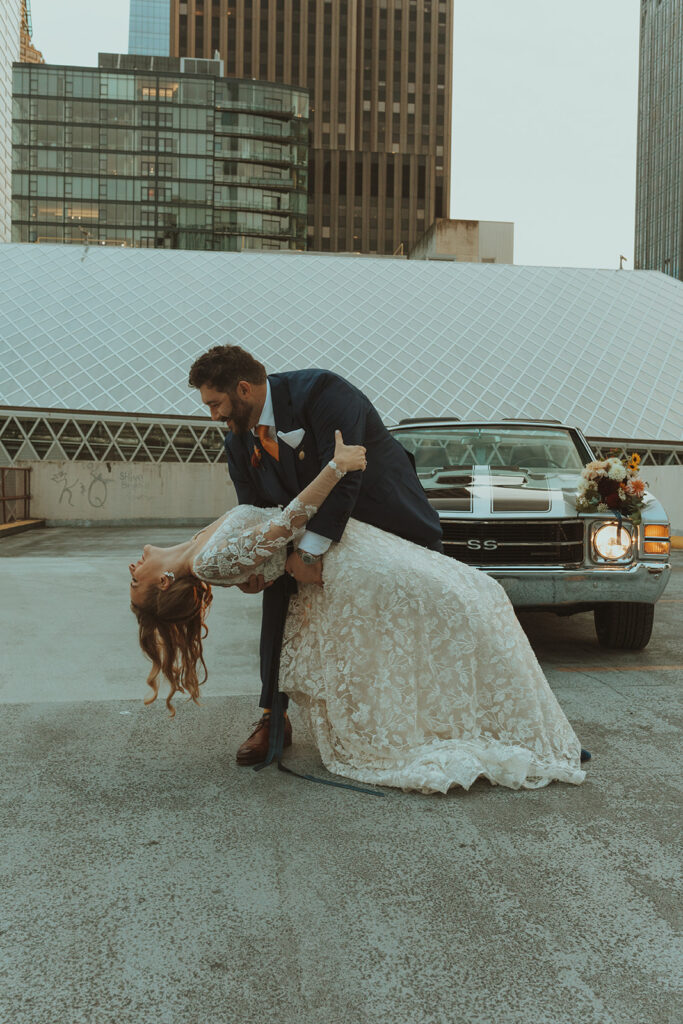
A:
{"x": 487, "y": 545}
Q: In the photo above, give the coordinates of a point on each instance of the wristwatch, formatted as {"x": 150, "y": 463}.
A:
{"x": 307, "y": 558}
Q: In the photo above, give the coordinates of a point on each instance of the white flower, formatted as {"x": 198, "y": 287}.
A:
{"x": 602, "y": 507}
{"x": 617, "y": 471}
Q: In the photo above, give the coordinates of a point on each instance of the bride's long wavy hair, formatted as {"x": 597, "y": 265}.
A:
{"x": 171, "y": 630}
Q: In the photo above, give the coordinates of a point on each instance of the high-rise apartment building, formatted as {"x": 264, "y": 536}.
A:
{"x": 138, "y": 152}
{"x": 380, "y": 74}
{"x": 149, "y": 27}
{"x": 659, "y": 168}
{"x": 10, "y": 21}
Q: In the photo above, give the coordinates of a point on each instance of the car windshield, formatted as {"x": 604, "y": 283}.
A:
{"x": 534, "y": 450}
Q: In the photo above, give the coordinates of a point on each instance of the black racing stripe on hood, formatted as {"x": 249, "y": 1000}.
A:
{"x": 514, "y": 498}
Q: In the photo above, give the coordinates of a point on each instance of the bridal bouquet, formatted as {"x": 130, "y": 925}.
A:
{"x": 612, "y": 485}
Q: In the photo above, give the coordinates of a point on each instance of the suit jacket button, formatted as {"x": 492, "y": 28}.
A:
{"x": 302, "y": 455}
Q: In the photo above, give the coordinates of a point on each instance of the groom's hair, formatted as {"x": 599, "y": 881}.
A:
{"x": 223, "y": 366}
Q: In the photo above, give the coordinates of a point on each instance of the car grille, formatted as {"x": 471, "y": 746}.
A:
{"x": 514, "y": 542}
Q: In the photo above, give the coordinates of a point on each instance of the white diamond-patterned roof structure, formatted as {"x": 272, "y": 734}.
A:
{"x": 115, "y": 330}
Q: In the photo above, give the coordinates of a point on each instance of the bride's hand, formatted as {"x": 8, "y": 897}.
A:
{"x": 348, "y": 457}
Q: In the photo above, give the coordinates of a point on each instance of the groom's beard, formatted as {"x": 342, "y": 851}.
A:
{"x": 240, "y": 415}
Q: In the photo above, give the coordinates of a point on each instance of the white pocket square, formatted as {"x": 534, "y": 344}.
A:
{"x": 292, "y": 437}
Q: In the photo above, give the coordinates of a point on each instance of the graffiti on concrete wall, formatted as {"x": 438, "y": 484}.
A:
{"x": 133, "y": 482}
{"x": 113, "y": 492}
{"x": 97, "y": 490}
{"x": 93, "y": 490}
{"x": 67, "y": 491}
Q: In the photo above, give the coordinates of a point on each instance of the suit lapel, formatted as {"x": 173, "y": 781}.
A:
{"x": 284, "y": 420}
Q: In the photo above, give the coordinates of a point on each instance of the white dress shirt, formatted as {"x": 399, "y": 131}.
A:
{"x": 312, "y": 542}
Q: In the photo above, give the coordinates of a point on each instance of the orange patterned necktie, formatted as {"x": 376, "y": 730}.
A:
{"x": 267, "y": 442}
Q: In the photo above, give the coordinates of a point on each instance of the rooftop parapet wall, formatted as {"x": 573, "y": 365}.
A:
{"x": 120, "y": 493}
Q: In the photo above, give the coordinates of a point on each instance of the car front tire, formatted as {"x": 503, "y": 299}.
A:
{"x": 627, "y": 626}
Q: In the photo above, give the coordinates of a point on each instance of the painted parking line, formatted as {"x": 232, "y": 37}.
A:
{"x": 618, "y": 668}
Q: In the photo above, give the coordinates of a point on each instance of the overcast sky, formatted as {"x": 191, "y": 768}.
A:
{"x": 544, "y": 126}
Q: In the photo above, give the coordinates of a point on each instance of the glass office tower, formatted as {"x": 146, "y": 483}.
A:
{"x": 380, "y": 77}
{"x": 159, "y": 158}
{"x": 659, "y": 167}
{"x": 148, "y": 27}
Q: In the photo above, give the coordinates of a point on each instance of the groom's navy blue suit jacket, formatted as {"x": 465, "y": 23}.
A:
{"x": 387, "y": 495}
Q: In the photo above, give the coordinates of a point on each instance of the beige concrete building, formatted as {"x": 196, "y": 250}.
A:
{"x": 466, "y": 241}
{"x": 380, "y": 76}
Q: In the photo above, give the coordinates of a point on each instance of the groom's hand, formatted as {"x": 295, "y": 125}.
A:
{"x": 303, "y": 573}
{"x": 254, "y": 585}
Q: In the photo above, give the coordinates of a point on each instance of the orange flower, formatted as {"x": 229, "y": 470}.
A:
{"x": 636, "y": 487}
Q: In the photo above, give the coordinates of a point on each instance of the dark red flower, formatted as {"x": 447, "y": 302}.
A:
{"x": 612, "y": 500}
{"x": 607, "y": 486}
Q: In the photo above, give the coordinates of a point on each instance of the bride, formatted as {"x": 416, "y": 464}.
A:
{"x": 410, "y": 667}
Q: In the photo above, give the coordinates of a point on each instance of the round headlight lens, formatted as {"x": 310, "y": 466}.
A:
{"x": 611, "y": 542}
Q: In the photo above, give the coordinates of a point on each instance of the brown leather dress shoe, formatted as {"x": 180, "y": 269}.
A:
{"x": 254, "y": 750}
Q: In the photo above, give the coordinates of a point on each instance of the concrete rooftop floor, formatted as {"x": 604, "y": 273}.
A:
{"x": 145, "y": 878}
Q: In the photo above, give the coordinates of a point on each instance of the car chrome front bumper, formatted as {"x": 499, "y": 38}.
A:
{"x": 547, "y": 588}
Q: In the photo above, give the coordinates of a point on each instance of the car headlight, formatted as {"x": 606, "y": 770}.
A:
{"x": 612, "y": 542}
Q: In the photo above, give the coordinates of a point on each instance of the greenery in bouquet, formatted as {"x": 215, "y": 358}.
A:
{"x": 612, "y": 485}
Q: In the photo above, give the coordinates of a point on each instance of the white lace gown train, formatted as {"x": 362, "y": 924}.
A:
{"x": 410, "y": 667}
{"x": 413, "y": 671}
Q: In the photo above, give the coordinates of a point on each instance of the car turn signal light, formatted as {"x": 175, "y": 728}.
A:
{"x": 657, "y": 539}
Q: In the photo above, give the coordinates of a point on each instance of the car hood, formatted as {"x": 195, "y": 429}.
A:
{"x": 489, "y": 491}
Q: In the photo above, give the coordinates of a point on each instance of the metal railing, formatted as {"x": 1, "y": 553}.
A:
{"x": 15, "y": 495}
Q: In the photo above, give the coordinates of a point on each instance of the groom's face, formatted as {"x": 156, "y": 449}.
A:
{"x": 234, "y": 408}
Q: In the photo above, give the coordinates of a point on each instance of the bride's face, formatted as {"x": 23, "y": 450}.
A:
{"x": 147, "y": 572}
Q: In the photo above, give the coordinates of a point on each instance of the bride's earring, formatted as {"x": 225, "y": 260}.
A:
{"x": 167, "y": 572}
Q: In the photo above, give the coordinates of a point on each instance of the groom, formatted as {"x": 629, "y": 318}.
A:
{"x": 281, "y": 434}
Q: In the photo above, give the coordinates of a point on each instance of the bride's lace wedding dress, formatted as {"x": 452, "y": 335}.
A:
{"x": 410, "y": 667}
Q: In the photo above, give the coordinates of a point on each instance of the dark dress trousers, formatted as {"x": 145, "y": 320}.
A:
{"x": 387, "y": 495}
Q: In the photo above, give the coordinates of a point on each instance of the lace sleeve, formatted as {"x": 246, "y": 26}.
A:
{"x": 234, "y": 552}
